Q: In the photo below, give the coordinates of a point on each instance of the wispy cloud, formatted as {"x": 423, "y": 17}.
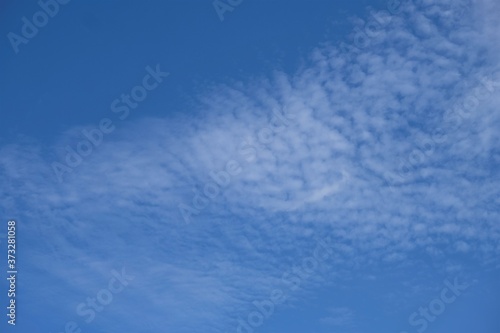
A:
{"x": 340, "y": 316}
{"x": 356, "y": 117}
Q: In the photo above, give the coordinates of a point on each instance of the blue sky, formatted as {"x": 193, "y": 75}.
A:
{"x": 297, "y": 166}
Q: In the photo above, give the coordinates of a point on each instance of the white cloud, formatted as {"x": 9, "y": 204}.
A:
{"x": 339, "y": 316}
{"x": 357, "y": 117}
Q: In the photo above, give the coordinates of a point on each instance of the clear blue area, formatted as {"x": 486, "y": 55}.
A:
{"x": 397, "y": 243}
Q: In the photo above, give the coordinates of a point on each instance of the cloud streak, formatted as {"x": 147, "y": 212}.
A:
{"x": 356, "y": 116}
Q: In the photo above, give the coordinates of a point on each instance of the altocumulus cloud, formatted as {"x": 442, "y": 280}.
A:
{"x": 357, "y": 116}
